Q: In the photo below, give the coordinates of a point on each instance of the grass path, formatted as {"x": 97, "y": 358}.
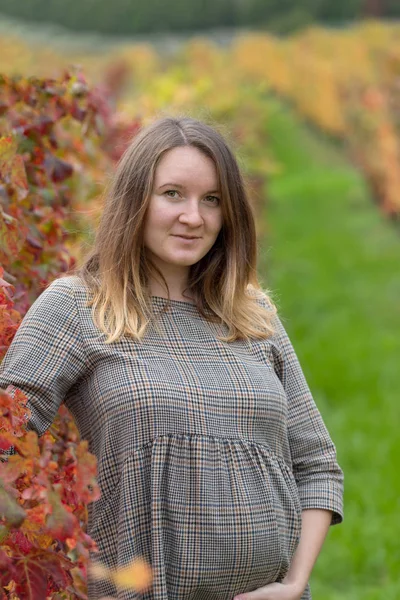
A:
{"x": 333, "y": 263}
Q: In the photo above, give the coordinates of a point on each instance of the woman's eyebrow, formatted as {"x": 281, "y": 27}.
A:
{"x": 178, "y": 185}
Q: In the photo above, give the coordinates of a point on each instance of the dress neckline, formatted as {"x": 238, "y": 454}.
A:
{"x": 161, "y": 299}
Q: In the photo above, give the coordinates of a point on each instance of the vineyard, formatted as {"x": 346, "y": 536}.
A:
{"x": 314, "y": 120}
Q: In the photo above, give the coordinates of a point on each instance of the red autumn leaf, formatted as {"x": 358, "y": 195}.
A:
{"x": 7, "y": 568}
{"x": 6, "y": 441}
{"x": 24, "y": 545}
{"x": 38, "y": 155}
{"x": 33, "y": 571}
{"x": 77, "y": 112}
{"x": 58, "y": 169}
{"x": 9, "y": 323}
{"x": 14, "y": 412}
{"x": 32, "y": 131}
{"x": 59, "y": 567}
{"x": 45, "y": 124}
{"x": 53, "y": 140}
{"x": 34, "y": 242}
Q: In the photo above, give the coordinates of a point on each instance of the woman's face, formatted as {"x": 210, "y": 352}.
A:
{"x": 186, "y": 201}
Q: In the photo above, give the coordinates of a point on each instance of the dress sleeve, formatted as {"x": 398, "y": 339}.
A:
{"x": 46, "y": 356}
{"x": 318, "y": 476}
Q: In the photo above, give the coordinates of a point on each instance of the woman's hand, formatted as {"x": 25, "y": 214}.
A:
{"x": 273, "y": 591}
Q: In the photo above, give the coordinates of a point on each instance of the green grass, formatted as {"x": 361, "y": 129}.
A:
{"x": 333, "y": 263}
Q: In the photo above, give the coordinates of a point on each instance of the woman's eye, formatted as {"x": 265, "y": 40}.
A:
{"x": 215, "y": 199}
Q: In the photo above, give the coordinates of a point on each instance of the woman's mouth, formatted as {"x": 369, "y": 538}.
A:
{"x": 187, "y": 240}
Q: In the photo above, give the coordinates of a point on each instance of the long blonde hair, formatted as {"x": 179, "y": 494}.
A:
{"x": 223, "y": 283}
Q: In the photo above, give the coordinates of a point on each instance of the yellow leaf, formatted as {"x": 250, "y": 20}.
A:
{"x": 136, "y": 576}
{"x": 8, "y": 149}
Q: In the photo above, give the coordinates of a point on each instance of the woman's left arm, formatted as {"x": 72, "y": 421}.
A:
{"x": 318, "y": 476}
{"x": 315, "y": 526}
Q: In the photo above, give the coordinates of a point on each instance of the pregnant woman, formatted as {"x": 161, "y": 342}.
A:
{"x": 214, "y": 462}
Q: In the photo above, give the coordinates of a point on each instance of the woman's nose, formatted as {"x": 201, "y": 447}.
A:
{"x": 191, "y": 214}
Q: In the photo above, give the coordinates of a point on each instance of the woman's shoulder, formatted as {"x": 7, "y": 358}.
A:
{"x": 71, "y": 284}
{"x": 262, "y": 297}
{"x": 63, "y": 293}
{"x": 71, "y": 281}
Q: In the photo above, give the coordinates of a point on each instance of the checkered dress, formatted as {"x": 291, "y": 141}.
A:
{"x": 207, "y": 451}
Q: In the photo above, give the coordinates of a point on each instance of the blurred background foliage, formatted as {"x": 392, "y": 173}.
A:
{"x": 134, "y": 16}
{"x": 314, "y": 118}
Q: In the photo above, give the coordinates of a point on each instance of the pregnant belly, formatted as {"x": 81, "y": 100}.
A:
{"x": 213, "y": 516}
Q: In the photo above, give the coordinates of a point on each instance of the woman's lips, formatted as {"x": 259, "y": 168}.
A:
{"x": 187, "y": 240}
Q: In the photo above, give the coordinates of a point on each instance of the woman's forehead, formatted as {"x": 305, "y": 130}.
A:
{"x": 183, "y": 166}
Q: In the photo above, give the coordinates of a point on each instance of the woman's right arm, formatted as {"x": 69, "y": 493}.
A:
{"x": 46, "y": 356}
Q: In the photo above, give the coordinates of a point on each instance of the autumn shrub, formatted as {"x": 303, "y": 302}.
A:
{"x": 345, "y": 82}
{"x": 45, "y": 486}
{"x": 53, "y": 157}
